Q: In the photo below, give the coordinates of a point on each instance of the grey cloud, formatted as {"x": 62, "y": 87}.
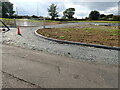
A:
{"x": 30, "y": 8}
{"x": 97, "y": 5}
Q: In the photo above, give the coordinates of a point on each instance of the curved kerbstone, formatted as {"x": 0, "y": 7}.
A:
{"x": 76, "y": 43}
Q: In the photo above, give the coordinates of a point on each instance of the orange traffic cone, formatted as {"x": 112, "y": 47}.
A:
{"x": 19, "y": 31}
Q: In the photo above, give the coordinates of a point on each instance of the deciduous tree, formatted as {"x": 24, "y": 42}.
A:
{"x": 7, "y": 9}
{"x": 94, "y": 15}
{"x": 52, "y": 10}
{"x": 69, "y": 13}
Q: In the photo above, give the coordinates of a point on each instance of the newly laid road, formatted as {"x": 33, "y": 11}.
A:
{"x": 27, "y": 68}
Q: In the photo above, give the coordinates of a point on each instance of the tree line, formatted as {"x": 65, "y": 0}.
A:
{"x": 68, "y": 14}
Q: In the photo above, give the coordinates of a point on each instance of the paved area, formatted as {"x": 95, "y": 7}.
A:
{"x": 10, "y": 81}
{"x": 31, "y": 41}
{"x": 50, "y": 64}
{"x": 28, "y": 68}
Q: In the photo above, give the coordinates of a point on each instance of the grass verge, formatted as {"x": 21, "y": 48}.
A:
{"x": 95, "y": 21}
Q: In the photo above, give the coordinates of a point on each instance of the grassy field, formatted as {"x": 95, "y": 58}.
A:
{"x": 95, "y": 21}
{"x": 98, "y": 21}
{"x": 76, "y": 21}
{"x": 92, "y": 34}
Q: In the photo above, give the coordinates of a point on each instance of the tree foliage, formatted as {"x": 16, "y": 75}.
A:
{"x": 94, "y": 15}
{"x": 109, "y": 16}
{"x": 69, "y": 13}
{"x": 7, "y": 9}
{"x": 116, "y": 17}
{"x": 52, "y": 10}
{"x": 102, "y": 15}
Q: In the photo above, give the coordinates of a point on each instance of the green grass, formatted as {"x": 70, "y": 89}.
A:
{"x": 8, "y": 22}
{"x": 77, "y": 21}
{"x": 6, "y": 19}
{"x": 62, "y": 37}
{"x": 95, "y": 21}
{"x": 63, "y": 21}
{"x": 85, "y": 21}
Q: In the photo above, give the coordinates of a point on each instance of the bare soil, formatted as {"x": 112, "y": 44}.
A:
{"x": 92, "y": 34}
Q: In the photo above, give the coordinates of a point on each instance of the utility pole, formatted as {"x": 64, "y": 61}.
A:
{"x": 16, "y": 11}
{"x": 37, "y": 10}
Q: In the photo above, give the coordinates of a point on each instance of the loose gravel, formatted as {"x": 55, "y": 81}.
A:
{"x": 30, "y": 41}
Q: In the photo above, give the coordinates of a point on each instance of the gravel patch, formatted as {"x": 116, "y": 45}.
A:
{"x": 31, "y": 41}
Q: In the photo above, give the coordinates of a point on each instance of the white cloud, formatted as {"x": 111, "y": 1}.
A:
{"x": 111, "y": 11}
{"x": 80, "y": 11}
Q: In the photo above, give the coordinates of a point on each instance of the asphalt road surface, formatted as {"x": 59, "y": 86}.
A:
{"x": 30, "y": 41}
{"x": 23, "y": 68}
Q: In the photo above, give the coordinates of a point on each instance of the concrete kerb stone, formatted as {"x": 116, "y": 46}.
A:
{"x": 76, "y": 43}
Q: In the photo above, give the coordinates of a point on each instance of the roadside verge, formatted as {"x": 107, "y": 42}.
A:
{"x": 76, "y": 43}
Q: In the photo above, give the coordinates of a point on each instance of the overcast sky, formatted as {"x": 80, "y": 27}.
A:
{"x": 82, "y": 7}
